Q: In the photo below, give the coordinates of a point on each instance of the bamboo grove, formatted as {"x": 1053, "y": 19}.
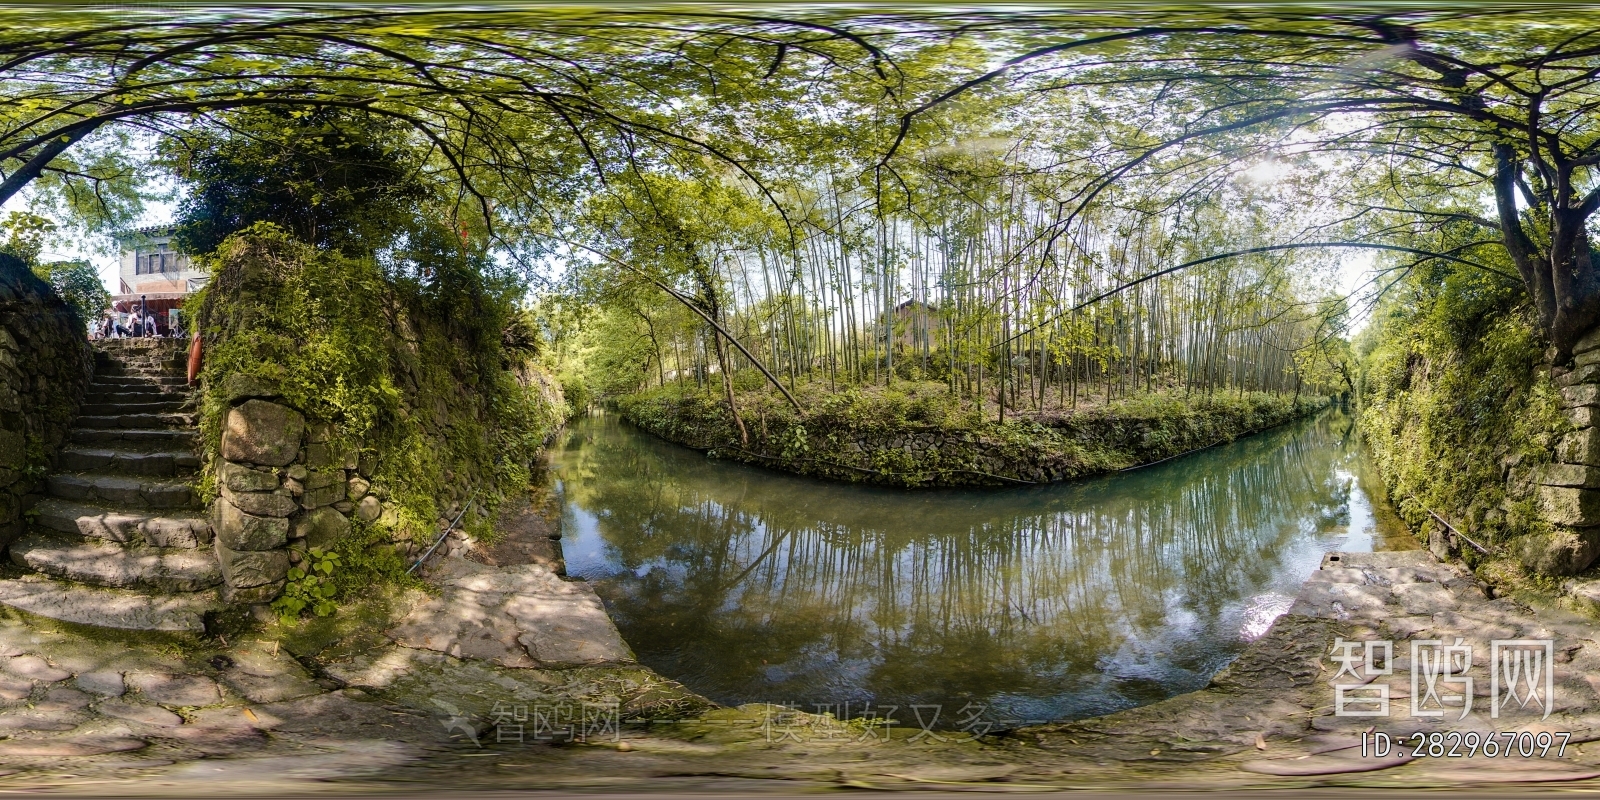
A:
{"x": 976, "y": 281}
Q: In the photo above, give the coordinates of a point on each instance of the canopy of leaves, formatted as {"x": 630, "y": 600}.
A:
{"x": 334, "y": 178}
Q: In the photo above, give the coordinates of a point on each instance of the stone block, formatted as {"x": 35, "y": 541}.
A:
{"x": 13, "y": 449}
{"x": 322, "y": 478}
{"x": 320, "y": 455}
{"x": 171, "y": 689}
{"x": 243, "y": 478}
{"x": 104, "y": 682}
{"x": 240, "y": 531}
{"x": 368, "y": 509}
{"x": 1570, "y": 475}
{"x": 324, "y": 496}
{"x": 263, "y": 433}
{"x": 1571, "y": 506}
{"x": 1580, "y": 447}
{"x": 1589, "y": 373}
{"x": 253, "y": 595}
{"x": 245, "y": 569}
{"x": 356, "y": 488}
{"x": 1581, "y": 394}
{"x": 1564, "y": 551}
{"x": 319, "y": 432}
{"x": 297, "y": 472}
{"x": 1584, "y": 416}
{"x": 1582, "y": 360}
{"x": 1590, "y": 341}
{"x": 277, "y": 503}
{"x": 321, "y": 527}
{"x": 241, "y": 387}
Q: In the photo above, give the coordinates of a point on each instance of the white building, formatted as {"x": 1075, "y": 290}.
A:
{"x": 154, "y": 275}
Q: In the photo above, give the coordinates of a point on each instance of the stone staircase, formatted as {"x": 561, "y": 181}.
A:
{"x": 121, "y": 541}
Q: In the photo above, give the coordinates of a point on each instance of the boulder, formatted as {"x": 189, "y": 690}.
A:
{"x": 238, "y": 530}
{"x": 263, "y": 433}
{"x": 245, "y": 569}
{"x": 321, "y": 527}
{"x": 357, "y": 487}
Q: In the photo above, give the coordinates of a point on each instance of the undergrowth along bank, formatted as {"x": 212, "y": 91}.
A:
{"x": 918, "y": 435}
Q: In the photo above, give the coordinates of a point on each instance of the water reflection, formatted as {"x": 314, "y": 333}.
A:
{"x": 1039, "y": 603}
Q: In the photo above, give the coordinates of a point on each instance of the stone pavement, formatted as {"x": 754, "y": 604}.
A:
{"x": 351, "y": 710}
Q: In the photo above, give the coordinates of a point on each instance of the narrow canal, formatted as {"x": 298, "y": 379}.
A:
{"x": 1005, "y": 606}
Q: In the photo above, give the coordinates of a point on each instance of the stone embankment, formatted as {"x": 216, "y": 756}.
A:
{"x": 864, "y": 441}
{"x": 45, "y": 366}
{"x": 1569, "y": 488}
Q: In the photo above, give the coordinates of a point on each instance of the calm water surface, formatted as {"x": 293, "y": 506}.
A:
{"x": 1040, "y": 603}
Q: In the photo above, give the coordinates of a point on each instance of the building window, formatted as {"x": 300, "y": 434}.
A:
{"x": 160, "y": 260}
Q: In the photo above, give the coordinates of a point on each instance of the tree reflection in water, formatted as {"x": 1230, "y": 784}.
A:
{"x": 1040, "y": 603}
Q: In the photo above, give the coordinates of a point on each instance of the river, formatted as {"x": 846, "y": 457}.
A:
{"x": 955, "y": 609}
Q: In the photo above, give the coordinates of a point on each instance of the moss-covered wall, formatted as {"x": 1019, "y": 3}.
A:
{"x": 400, "y": 410}
{"x": 1466, "y": 418}
{"x": 45, "y": 367}
{"x": 918, "y": 436}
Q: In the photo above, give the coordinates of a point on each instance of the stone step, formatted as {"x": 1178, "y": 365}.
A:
{"x": 133, "y": 392}
{"x": 122, "y": 526}
{"x": 144, "y": 374}
{"x": 139, "y": 380}
{"x": 139, "y": 367}
{"x": 117, "y": 461}
{"x": 121, "y": 491}
{"x": 117, "y": 567}
{"x": 165, "y": 420}
{"x": 136, "y": 438}
{"x": 149, "y": 406}
{"x": 121, "y": 609}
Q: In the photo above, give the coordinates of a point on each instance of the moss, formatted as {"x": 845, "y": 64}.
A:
{"x": 412, "y": 375}
{"x": 919, "y": 435}
{"x": 1459, "y": 410}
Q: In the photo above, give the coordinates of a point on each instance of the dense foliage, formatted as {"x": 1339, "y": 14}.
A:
{"x": 414, "y": 376}
{"x": 1457, "y": 403}
{"x": 334, "y": 178}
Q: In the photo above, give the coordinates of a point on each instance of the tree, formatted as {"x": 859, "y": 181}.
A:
{"x": 1504, "y": 108}
{"x": 335, "y": 178}
{"x": 592, "y": 89}
{"x": 79, "y": 285}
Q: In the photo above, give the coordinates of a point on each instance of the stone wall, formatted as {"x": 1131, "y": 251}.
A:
{"x": 282, "y": 486}
{"x": 1569, "y": 487}
{"x": 836, "y": 444}
{"x": 45, "y": 367}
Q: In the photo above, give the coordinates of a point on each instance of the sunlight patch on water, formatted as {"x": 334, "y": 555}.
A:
{"x": 1260, "y": 612}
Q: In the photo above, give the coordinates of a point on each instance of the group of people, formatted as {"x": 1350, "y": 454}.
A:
{"x": 137, "y": 323}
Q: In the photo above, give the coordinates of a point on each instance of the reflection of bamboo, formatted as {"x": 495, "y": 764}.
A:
{"x": 1092, "y": 574}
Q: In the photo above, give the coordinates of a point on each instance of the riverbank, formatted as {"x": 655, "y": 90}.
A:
{"x": 917, "y": 435}
{"x": 186, "y": 724}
